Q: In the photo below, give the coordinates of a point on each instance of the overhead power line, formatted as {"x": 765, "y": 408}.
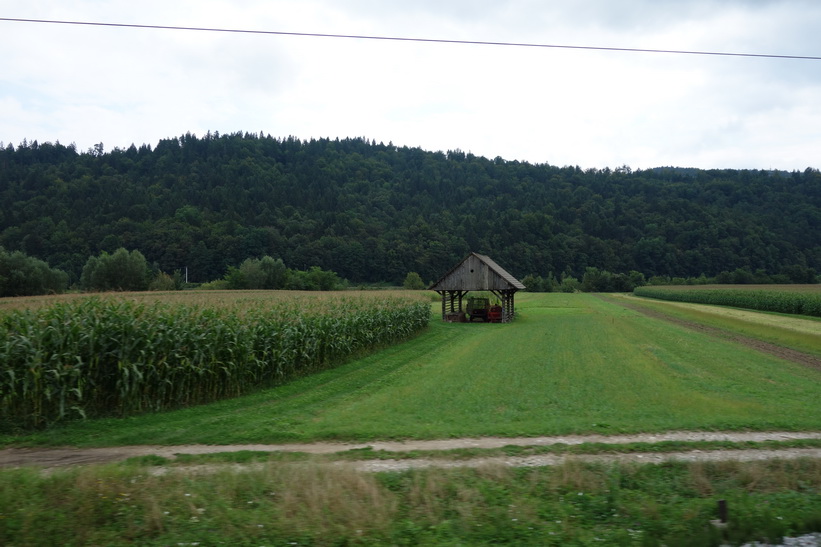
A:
{"x": 425, "y": 40}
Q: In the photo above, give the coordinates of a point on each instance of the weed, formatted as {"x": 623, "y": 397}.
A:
{"x": 280, "y": 502}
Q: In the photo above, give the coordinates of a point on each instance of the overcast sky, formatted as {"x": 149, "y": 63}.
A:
{"x": 582, "y": 107}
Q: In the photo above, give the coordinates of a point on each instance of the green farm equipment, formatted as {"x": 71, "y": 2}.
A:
{"x": 481, "y": 308}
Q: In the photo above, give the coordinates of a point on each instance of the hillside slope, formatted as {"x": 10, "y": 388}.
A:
{"x": 373, "y": 212}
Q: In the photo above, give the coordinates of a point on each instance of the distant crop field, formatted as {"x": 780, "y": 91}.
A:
{"x": 313, "y": 300}
{"x": 791, "y": 299}
{"x": 808, "y": 288}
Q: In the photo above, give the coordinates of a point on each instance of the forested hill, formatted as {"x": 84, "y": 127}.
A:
{"x": 374, "y": 212}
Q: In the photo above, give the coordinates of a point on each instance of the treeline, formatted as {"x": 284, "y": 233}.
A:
{"x": 593, "y": 280}
{"x": 22, "y": 275}
{"x": 596, "y": 280}
{"x": 129, "y": 271}
{"x": 372, "y": 212}
{"x": 267, "y": 273}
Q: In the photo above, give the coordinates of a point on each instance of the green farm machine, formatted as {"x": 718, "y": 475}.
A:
{"x": 481, "y": 308}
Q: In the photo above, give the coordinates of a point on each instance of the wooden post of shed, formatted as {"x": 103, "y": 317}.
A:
{"x": 477, "y": 273}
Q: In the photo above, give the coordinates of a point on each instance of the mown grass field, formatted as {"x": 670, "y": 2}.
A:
{"x": 568, "y": 364}
{"x": 798, "y": 332}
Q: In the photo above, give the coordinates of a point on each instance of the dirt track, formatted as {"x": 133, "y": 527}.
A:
{"x": 60, "y": 457}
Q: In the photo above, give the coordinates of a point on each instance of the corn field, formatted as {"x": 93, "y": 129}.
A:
{"x": 104, "y": 356}
{"x": 800, "y": 300}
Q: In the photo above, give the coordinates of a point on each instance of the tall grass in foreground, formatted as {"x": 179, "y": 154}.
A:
{"x": 307, "y": 504}
{"x": 770, "y": 299}
{"x": 96, "y": 357}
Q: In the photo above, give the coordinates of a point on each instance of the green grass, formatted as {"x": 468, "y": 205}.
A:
{"x": 799, "y": 333}
{"x": 568, "y": 364}
{"x": 305, "y": 504}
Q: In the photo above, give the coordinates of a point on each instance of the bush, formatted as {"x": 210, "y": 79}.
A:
{"x": 120, "y": 271}
{"x": 217, "y": 285}
{"x": 22, "y": 275}
{"x": 163, "y": 282}
{"x": 315, "y": 279}
{"x": 569, "y": 284}
{"x": 413, "y": 282}
{"x": 264, "y": 273}
{"x": 537, "y": 283}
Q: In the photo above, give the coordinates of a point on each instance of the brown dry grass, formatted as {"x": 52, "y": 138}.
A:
{"x": 332, "y": 500}
{"x": 766, "y": 476}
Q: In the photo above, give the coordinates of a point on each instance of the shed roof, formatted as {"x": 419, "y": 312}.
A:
{"x": 477, "y": 273}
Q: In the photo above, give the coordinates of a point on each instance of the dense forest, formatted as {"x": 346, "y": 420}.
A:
{"x": 372, "y": 212}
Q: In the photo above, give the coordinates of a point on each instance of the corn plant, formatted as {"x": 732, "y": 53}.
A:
{"x": 775, "y": 299}
{"x": 104, "y": 356}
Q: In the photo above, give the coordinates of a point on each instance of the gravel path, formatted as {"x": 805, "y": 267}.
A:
{"x": 59, "y": 457}
{"x": 542, "y": 460}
